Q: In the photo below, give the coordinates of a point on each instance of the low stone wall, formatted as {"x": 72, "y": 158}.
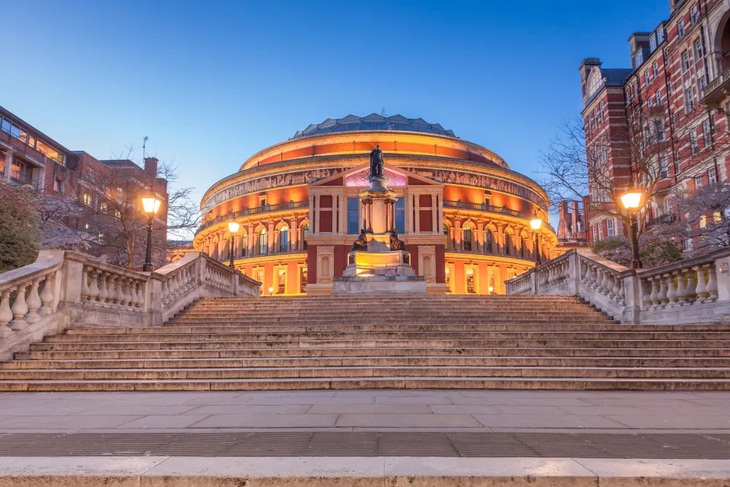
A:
{"x": 67, "y": 288}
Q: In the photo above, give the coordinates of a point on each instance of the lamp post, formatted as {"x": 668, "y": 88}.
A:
{"x": 233, "y": 227}
{"x": 632, "y": 202}
{"x": 150, "y": 204}
{"x": 535, "y": 224}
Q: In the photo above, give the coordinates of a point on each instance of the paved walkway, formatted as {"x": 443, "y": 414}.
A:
{"x": 586, "y": 434}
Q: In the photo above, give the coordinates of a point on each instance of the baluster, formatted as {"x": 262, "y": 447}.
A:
{"x": 111, "y": 289}
{"x": 33, "y": 302}
{"x": 119, "y": 294}
{"x": 662, "y": 291}
{"x": 140, "y": 294}
{"x": 681, "y": 288}
{"x": 103, "y": 292}
{"x": 47, "y": 295}
{"x": 617, "y": 288}
{"x": 701, "y": 284}
{"x": 711, "y": 283}
{"x": 19, "y": 309}
{"x": 126, "y": 291}
{"x": 671, "y": 289}
{"x": 691, "y": 293}
{"x": 6, "y": 314}
{"x": 654, "y": 296}
{"x": 646, "y": 288}
{"x": 93, "y": 285}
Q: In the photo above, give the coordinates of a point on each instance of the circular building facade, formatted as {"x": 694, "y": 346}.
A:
{"x": 462, "y": 213}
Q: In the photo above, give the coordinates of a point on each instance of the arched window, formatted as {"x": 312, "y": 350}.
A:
{"x": 466, "y": 237}
{"x": 489, "y": 244}
{"x": 263, "y": 246}
{"x": 303, "y": 236}
{"x": 507, "y": 244}
{"x": 522, "y": 246}
{"x": 284, "y": 239}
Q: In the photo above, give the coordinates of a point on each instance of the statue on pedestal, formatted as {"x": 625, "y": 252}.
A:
{"x": 395, "y": 242}
{"x": 376, "y": 162}
{"x": 361, "y": 243}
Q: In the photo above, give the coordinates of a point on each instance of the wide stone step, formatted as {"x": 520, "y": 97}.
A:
{"x": 541, "y": 383}
{"x": 351, "y": 372}
{"x": 339, "y": 334}
{"x": 375, "y": 343}
{"x": 559, "y": 352}
{"x": 482, "y": 361}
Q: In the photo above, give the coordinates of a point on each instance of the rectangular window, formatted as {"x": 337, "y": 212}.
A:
{"x": 663, "y": 167}
{"x": 353, "y": 221}
{"x": 680, "y": 28}
{"x": 400, "y": 215}
{"x": 684, "y": 60}
{"x": 659, "y": 126}
{"x": 694, "y": 147}
{"x": 86, "y": 199}
{"x": 58, "y": 185}
{"x": 712, "y": 176}
{"x": 15, "y": 171}
{"x": 703, "y": 221}
{"x": 698, "y": 182}
{"x": 652, "y": 42}
{"x": 655, "y": 69}
{"x": 707, "y": 132}
{"x": 688, "y": 100}
{"x": 694, "y": 15}
{"x": 699, "y": 51}
{"x": 609, "y": 228}
{"x": 647, "y": 77}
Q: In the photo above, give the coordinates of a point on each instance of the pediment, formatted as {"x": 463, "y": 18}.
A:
{"x": 359, "y": 177}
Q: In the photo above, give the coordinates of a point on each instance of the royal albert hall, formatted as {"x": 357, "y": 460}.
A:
{"x": 462, "y": 213}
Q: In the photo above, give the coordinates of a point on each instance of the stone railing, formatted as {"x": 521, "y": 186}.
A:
{"x": 66, "y": 288}
{"x": 691, "y": 291}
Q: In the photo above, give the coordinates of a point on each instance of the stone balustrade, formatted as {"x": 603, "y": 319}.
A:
{"x": 691, "y": 291}
{"x": 68, "y": 288}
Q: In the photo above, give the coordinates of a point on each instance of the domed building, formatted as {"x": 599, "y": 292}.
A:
{"x": 462, "y": 213}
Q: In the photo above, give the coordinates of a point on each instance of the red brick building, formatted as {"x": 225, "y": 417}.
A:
{"x": 30, "y": 157}
{"x": 662, "y": 123}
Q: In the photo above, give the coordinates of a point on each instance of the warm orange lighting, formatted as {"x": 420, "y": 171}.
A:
{"x": 536, "y": 223}
{"x": 631, "y": 199}
{"x": 233, "y": 227}
{"x": 151, "y": 204}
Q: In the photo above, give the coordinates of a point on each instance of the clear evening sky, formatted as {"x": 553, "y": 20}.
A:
{"x": 213, "y": 82}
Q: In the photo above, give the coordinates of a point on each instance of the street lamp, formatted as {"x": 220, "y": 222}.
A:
{"x": 233, "y": 227}
{"x": 150, "y": 204}
{"x": 631, "y": 200}
{"x": 535, "y": 224}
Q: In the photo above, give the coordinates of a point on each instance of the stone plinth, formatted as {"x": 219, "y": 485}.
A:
{"x": 380, "y": 284}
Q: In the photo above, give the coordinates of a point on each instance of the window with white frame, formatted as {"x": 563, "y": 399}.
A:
{"x": 647, "y": 77}
{"x": 655, "y": 69}
{"x": 681, "y": 31}
{"x": 694, "y": 14}
{"x": 659, "y": 97}
{"x": 659, "y": 127}
{"x": 699, "y": 49}
{"x": 684, "y": 60}
{"x": 694, "y": 147}
{"x": 712, "y": 175}
{"x": 609, "y": 228}
{"x": 698, "y": 182}
{"x": 663, "y": 167}
{"x": 689, "y": 103}
{"x": 707, "y": 132}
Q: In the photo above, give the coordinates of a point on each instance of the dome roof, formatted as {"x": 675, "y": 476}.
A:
{"x": 353, "y": 123}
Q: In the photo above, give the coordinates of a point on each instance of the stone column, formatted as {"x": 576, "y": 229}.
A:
{"x": 315, "y": 211}
{"x": 480, "y": 236}
{"x": 251, "y": 240}
{"x": 270, "y": 242}
{"x": 458, "y": 244}
{"x": 434, "y": 215}
{"x": 293, "y": 234}
{"x": 417, "y": 212}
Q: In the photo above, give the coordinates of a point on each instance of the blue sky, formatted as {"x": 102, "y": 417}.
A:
{"x": 213, "y": 82}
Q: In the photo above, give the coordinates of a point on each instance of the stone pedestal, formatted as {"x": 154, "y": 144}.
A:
{"x": 377, "y": 269}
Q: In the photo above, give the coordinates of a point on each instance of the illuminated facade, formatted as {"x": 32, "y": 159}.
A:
{"x": 462, "y": 213}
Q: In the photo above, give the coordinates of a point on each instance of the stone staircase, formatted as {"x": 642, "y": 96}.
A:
{"x": 379, "y": 342}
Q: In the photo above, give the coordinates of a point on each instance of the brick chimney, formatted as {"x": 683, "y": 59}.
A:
{"x": 150, "y": 166}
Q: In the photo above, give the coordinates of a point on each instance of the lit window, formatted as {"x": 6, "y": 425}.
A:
{"x": 103, "y": 207}
{"x": 703, "y": 221}
{"x": 470, "y": 281}
{"x": 717, "y": 217}
{"x": 466, "y": 238}
{"x": 263, "y": 248}
{"x": 284, "y": 239}
{"x": 86, "y": 199}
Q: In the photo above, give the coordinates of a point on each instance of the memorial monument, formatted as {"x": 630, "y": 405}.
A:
{"x": 378, "y": 261}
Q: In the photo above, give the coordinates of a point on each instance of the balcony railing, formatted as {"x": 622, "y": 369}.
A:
{"x": 290, "y": 205}
{"x": 717, "y": 91}
{"x": 480, "y": 207}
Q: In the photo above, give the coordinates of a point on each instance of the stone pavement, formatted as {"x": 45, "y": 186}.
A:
{"x": 367, "y": 437}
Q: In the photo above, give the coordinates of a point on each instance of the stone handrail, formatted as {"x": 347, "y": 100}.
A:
{"x": 691, "y": 291}
{"x": 67, "y": 288}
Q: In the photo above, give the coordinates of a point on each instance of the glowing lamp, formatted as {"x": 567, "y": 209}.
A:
{"x": 631, "y": 199}
{"x": 233, "y": 227}
{"x": 536, "y": 223}
{"x": 151, "y": 205}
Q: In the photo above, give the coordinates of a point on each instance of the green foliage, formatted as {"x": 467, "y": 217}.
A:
{"x": 659, "y": 252}
{"x": 19, "y": 223}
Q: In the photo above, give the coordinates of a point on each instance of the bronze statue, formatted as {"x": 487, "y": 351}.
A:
{"x": 395, "y": 242}
{"x": 361, "y": 243}
{"x": 376, "y": 162}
